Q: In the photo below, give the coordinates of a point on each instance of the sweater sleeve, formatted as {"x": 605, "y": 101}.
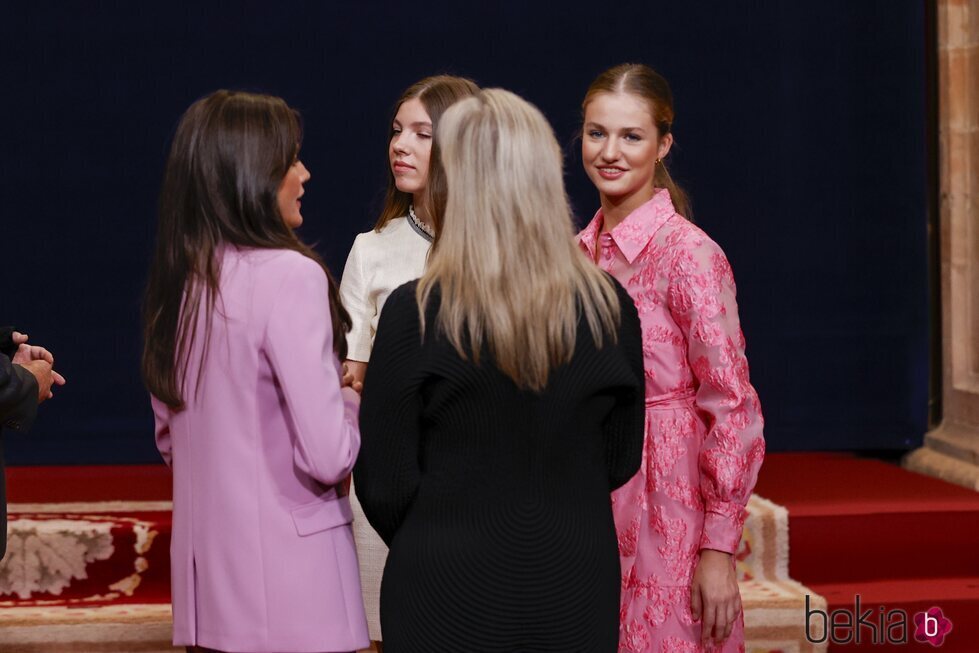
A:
{"x": 701, "y": 298}
{"x": 355, "y": 295}
{"x": 624, "y": 428}
{"x": 7, "y": 346}
{"x": 299, "y": 346}
{"x": 388, "y": 471}
{"x": 18, "y": 396}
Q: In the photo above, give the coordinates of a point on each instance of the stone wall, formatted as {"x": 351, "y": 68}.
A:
{"x": 951, "y": 451}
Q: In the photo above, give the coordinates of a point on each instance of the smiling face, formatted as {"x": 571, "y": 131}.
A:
{"x": 289, "y": 193}
{"x": 411, "y": 147}
{"x": 619, "y": 148}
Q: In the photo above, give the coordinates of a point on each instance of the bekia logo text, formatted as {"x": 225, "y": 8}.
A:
{"x": 879, "y": 627}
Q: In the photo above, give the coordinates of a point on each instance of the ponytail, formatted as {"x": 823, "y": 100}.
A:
{"x": 678, "y": 196}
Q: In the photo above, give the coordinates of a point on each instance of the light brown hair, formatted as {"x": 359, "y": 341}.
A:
{"x": 645, "y": 83}
{"x": 436, "y": 93}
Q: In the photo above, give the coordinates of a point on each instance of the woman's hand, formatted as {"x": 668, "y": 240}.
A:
{"x": 715, "y": 599}
{"x": 353, "y": 375}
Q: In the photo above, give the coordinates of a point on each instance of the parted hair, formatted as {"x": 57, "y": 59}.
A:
{"x": 436, "y": 93}
{"x": 509, "y": 274}
{"x": 228, "y": 158}
{"x": 647, "y": 84}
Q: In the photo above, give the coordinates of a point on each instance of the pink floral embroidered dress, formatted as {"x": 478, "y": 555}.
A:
{"x": 704, "y": 442}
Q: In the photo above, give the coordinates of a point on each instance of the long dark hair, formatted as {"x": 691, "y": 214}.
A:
{"x": 436, "y": 93}
{"x": 229, "y": 156}
{"x": 647, "y": 84}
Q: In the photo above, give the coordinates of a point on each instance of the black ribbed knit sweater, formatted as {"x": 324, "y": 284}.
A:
{"x": 495, "y": 500}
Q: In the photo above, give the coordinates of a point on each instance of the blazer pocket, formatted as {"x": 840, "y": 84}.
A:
{"x": 322, "y": 515}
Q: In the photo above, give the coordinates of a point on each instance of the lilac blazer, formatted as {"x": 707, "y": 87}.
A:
{"x": 262, "y": 556}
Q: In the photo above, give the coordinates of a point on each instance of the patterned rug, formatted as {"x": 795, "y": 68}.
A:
{"x": 94, "y": 577}
{"x": 78, "y": 554}
{"x": 86, "y": 577}
{"x": 128, "y": 628}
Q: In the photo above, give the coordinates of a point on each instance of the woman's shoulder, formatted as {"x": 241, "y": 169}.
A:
{"x": 402, "y": 304}
{"x": 402, "y": 298}
{"x": 380, "y": 242}
{"x": 390, "y": 231}
{"x": 684, "y": 239}
{"x": 273, "y": 267}
{"x": 288, "y": 261}
{"x": 262, "y": 277}
{"x": 399, "y": 326}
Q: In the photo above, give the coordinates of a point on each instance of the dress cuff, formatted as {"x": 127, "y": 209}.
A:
{"x": 358, "y": 349}
{"x": 723, "y": 523}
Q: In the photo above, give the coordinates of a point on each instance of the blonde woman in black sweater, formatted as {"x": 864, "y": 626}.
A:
{"x": 503, "y": 402}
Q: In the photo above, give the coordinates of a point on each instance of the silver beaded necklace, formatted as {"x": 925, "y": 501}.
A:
{"x": 425, "y": 230}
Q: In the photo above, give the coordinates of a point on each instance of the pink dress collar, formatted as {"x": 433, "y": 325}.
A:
{"x": 634, "y": 233}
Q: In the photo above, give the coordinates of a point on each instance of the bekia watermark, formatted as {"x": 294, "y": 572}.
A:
{"x": 879, "y": 627}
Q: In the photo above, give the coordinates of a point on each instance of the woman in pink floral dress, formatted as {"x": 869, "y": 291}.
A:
{"x": 679, "y": 520}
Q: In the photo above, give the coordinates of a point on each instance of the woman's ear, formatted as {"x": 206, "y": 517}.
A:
{"x": 665, "y": 144}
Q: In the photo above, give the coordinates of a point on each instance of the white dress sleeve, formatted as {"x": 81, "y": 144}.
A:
{"x": 354, "y": 293}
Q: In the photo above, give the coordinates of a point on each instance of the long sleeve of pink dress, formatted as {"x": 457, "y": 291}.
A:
{"x": 704, "y": 443}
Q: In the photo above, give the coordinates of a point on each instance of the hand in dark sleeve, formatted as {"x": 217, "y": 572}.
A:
{"x": 8, "y": 347}
{"x": 18, "y": 396}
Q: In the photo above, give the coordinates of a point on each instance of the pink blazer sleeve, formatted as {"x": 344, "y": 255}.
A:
{"x": 702, "y": 300}
{"x": 299, "y": 345}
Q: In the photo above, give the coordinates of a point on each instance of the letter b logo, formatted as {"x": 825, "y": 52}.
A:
{"x": 931, "y": 626}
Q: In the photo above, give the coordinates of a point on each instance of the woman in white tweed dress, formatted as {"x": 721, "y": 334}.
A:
{"x": 391, "y": 254}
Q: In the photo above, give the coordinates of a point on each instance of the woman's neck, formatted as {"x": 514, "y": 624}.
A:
{"x": 421, "y": 211}
{"x": 617, "y": 209}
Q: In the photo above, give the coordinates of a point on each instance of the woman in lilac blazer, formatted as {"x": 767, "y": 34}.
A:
{"x": 243, "y": 330}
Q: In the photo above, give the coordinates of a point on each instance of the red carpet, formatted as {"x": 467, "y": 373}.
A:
{"x": 87, "y": 536}
{"x": 896, "y": 538}
{"x": 88, "y": 483}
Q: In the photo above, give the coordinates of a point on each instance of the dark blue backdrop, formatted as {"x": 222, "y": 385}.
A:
{"x": 800, "y": 136}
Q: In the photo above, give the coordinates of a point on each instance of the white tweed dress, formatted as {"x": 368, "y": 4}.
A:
{"x": 378, "y": 263}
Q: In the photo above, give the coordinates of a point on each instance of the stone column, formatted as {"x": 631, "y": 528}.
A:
{"x": 951, "y": 451}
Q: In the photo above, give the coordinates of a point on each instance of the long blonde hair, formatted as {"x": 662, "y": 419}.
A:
{"x": 508, "y": 270}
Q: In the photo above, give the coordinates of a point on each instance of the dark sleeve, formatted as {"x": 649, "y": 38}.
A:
{"x": 625, "y": 425}
{"x": 387, "y": 473}
{"x": 18, "y": 396}
{"x": 7, "y": 346}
